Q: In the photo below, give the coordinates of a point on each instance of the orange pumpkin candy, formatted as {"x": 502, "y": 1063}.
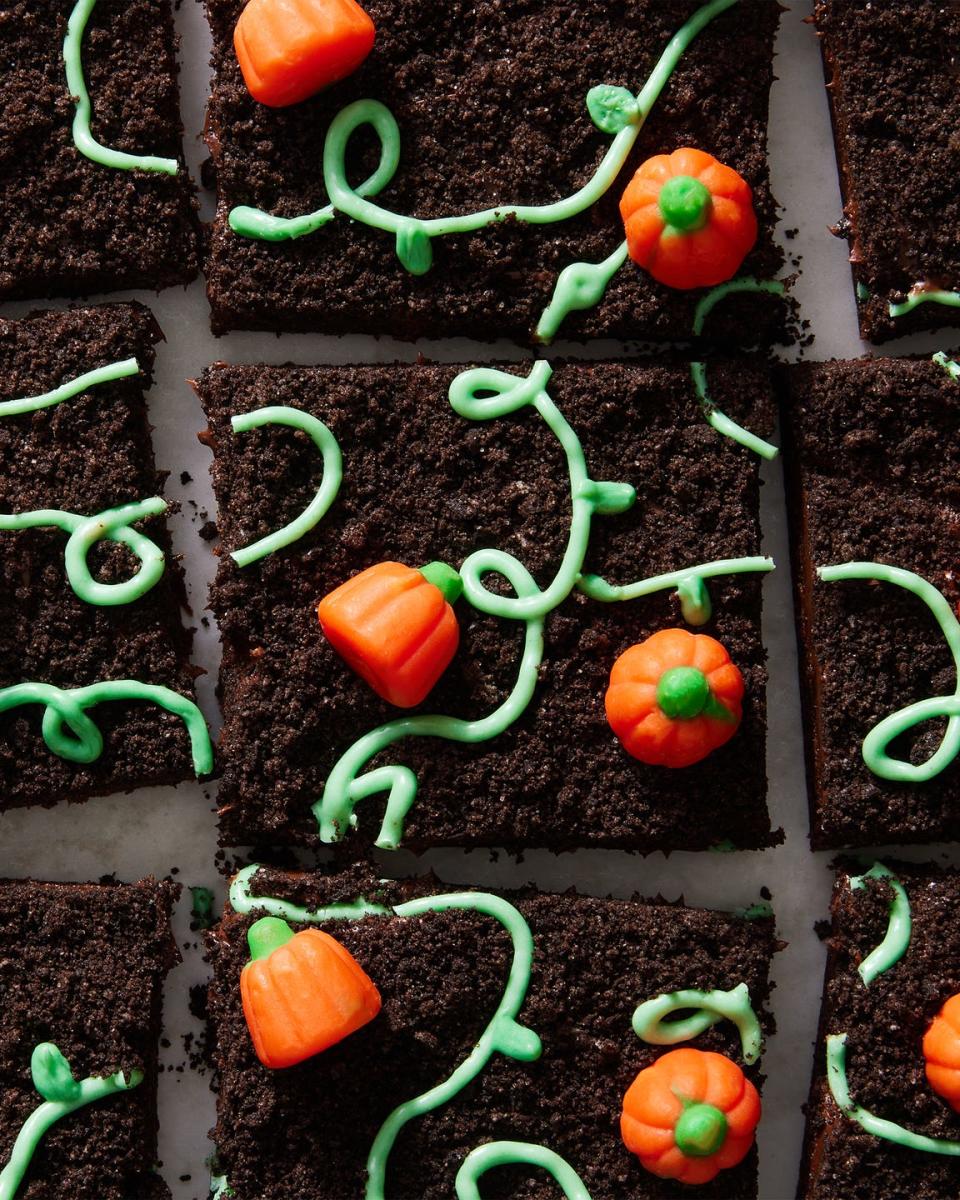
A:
{"x": 690, "y": 1115}
{"x": 689, "y": 219}
{"x": 396, "y": 627}
{"x": 301, "y": 993}
{"x": 941, "y": 1050}
{"x": 674, "y": 698}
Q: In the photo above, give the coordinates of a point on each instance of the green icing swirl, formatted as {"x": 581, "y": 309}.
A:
{"x": 925, "y": 295}
{"x": 84, "y": 742}
{"x": 896, "y": 941}
{"x": 503, "y": 1033}
{"x": 650, "y": 1022}
{"x": 329, "y": 448}
{"x": 500, "y": 1154}
{"x": 83, "y": 138}
{"x": 879, "y": 738}
{"x": 952, "y": 368}
{"x": 613, "y": 110}
{"x": 114, "y": 524}
{"x": 878, "y": 1127}
{"x": 107, "y": 374}
{"x": 62, "y": 1095}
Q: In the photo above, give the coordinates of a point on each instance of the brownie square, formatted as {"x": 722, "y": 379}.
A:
{"x": 72, "y": 226}
{"x": 306, "y": 1131}
{"x": 82, "y": 966}
{"x": 85, "y": 455}
{"x": 884, "y": 1021}
{"x": 490, "y": 99}
{"x": 423, "y": 484}
{"x": 872, "y": 458}
{"x": 893, "y": 85}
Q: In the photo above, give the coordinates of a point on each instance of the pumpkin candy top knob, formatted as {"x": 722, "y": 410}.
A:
{"x": 674, "y": 698}
{"x": 941, "y": 1050}
{"x": 690, "y": 1115}
{"x": 302, "y": 993}
{"x": 396, "y": 627}
{"x": 689, "y": 219}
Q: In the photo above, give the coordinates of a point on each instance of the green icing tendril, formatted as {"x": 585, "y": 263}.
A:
{"x": 503, "y": 1034}
{"x": 952, "y": 368}
{"x": 876, "y": 1126}
{"x": 62, "y": 1095}
{"x": 925, "y": 295}
{"x": 107, "y": 374}
{"x": 896, "y": 941}
{"x": 650, "y": 1022}
{"x": 613, "y": 110}
{"x": 114, "y": 524}
{"x": 83, "y": 138}
{"x": 879, "y": 738}
{"x": 329, "y": 448}
{"x": 580, "y": 286}
{"x": 66, "y": 707}
{"x": 500, "y": 1154}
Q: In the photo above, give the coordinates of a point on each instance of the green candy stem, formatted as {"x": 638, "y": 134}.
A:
{"x": 685, "y": 203}
{"x": 700, "y": 1131}
{"x": 266, "y": 935}
{"x": 683, "y": 693}
{"x": 445, "y": 579}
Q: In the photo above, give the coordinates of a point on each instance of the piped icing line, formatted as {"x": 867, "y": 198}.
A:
{"x": 503, "y": 1034}
{"x": 875, "y": 743}
{"x": 896, "y": 940}
{"x": 922, "y": 294}
{"x": 62, "y": 1095}
{"x": 952, "y": 368}
{"x": 695, "y": 603}
{"x": 698, "y": 370}
{"x": 501, "y": 1154}
{"x": 876, "y": 1126}
{"x": 614, "y": 110}
{"x": 580, "y": 286}
{"x": 650, "y": 1022}
{"x": 107, "y": 374}
{"x": 220, "y": 1187}
{"x": 84, "y": 744}
{"x": 114, "y": 524}
{"x": 326, "y": 443}
{"x": 83, "y": 138}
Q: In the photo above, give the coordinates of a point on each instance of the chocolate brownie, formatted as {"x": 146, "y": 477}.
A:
{"x": 89, "y": 453}
{"x": 306, "y": 1131}
{"x": 82, "y": 967}
{"x": 894, "y": 87}
{"x": 422, "y": 483}
{"x": 72, "y": 226}
{"x": 872, "y": 462}
{"x": 883, "y": 1017}
{"x": 490, "y": 99}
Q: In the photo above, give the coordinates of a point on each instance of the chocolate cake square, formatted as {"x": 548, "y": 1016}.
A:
{"x": 121, "y": 212}
{"x": 892, "y": 79}
{"x": 872, "y": 456}
{"x": 422, "y": 483}
{"x": 74, "y": 447}
{"x": 444, "y": 962}
{"x": 81, "y": 969}
{"x": 876, "y": 1126}
{"x": 489, "y": 97}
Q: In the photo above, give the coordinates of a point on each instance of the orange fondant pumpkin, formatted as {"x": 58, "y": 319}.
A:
{"x": 674, "y": 698}
{"x": 941, "y": 1050}
{"x": 690, "y": 1116}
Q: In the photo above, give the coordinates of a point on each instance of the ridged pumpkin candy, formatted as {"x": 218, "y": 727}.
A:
{"x": 941, "y": 1050}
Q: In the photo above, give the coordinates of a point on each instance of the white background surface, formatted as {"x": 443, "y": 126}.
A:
{"x": 158, "y": 830}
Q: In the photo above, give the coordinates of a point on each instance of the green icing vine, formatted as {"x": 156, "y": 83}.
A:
{"x": 500, "y": 1154}
{"x": 650, "y": 1022}
{"x": 84, "y": 744}
{"x": 879, "y": 738}
{"x": 925, "y": 295}
{"x": 614, "y": 110}
{"x": 107, "y": 374}
{"x": 503, "y": 1033}
{"x": 83, "y": 138}
{"x": 62, "y": 1095}
{"x": 952, "y": 368}
{"x": 114, "y": 524}
{"x": 480, "y": 395}
{"x": 329, "y": 448}
{"x": 896, "y": 940}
